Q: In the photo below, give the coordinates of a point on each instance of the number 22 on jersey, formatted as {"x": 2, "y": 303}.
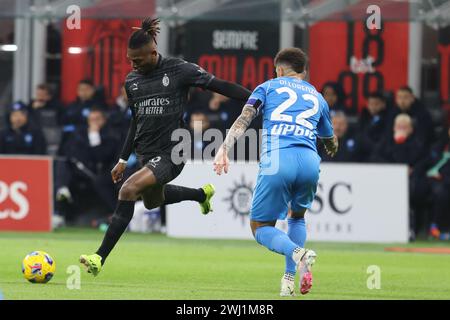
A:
{"x": 302, "y": 117}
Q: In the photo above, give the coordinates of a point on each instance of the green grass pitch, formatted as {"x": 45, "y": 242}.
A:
{"x": 149, "y": 266}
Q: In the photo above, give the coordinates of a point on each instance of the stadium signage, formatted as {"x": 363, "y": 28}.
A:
{"x": 240, "y": 198}
{"x": 362, "y": 65}
{"x": 155, "y": 102}
{"x": 230, "y": 39}
{"x": 16, "y": 193}
{"x": 236, "y": 51}
{"x": 332, "y": 198}
{"x": 26, "y": 193}
{"x": 353, "y": 204}
{"x": 444, "y": 62}
{"x": 104, "y": 60}
{"x": 362, "y": 60}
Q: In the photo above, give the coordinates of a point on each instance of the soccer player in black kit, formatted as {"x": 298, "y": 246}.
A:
{"x": 157, "y": 90}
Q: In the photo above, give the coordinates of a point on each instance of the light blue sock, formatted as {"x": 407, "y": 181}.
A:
{"x": 297, "y": 233}
{"x": 275, "y": 240}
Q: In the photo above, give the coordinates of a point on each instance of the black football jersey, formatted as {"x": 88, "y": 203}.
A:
{"x": 157, "y": 101}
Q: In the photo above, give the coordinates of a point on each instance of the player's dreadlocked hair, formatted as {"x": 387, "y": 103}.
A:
{"x": 145, "y": 34}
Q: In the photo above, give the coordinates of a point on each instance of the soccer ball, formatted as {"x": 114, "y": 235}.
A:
{"x": 38, "y": 267}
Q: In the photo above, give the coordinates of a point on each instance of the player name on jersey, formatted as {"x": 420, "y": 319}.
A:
{"x": 293, "y": 84}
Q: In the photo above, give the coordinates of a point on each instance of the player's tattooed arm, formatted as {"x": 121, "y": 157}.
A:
{"x": 331, "y": 145}
{"x": 238, "y": 128}
{"x": 249, "y": 112}
{"x": 221, "y": 161}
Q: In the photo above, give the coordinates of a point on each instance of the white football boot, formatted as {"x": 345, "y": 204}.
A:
{"x": 304, "y": 258}
{"x": 287, "y": 286}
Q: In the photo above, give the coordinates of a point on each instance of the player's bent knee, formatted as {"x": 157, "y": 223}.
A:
{"x": 257, "y": 224}
{"x": 128, "y": 192}
{"x": 297, "y": 214}
{"x": 153, "y": 203}
{"x": 153, "y": 198}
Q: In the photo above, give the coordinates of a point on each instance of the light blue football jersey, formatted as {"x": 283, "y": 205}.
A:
{"x": 294, "y": 114}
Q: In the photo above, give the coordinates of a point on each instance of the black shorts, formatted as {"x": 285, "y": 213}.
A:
{"x": 162, "y": 167}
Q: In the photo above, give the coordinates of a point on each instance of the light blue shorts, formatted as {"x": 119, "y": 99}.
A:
{"x": 294, "y": 182}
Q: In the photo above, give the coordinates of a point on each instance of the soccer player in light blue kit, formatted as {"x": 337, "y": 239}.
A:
{"x": 294, "y": 116}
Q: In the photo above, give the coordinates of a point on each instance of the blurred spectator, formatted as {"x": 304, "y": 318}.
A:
{"x": 76, "y": 113}
{"x": 198, "y": 124}
{"x": 220, "y": 110}
{"x": 46, "y": 112}
{"x": 350, "y": 149}
{"x": 44, "y": 109}
{"x": 372, "y": 122}
{"x": 119, "y": 119}
{"x": 439, "y": 177}
{"x": 100, "y": 97}
{"x": 406, "y": 102}
{"x": 21, "y": 137}
{"x": 91, "y": 153}
{"x": 334, "y": 96}
{"x": 405, "y": 147}
{"x": 402, "y": 145}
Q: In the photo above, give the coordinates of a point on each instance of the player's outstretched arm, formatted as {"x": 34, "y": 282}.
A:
{"x": 331, "y": 145}
{"x": 119, "y": 168}
{"x": 221, "y": 161}
{"x": 229, "y": 89}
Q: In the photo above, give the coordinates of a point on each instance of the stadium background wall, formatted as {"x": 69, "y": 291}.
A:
{"x": 26, "y": 193}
